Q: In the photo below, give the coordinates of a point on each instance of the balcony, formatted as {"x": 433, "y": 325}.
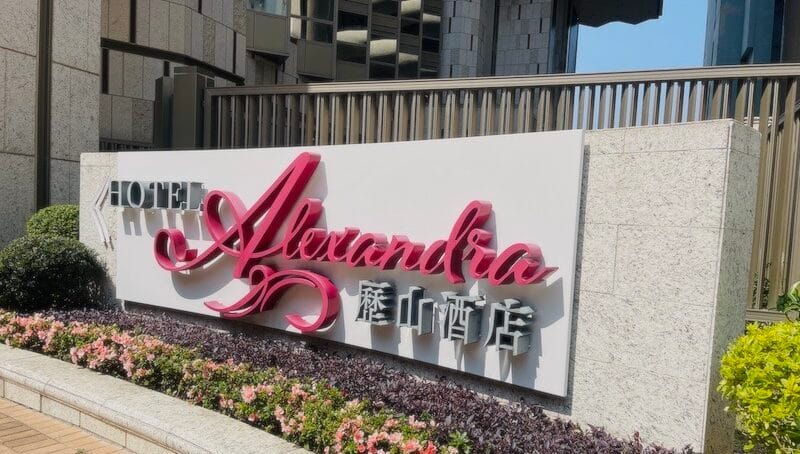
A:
{"x": 268, "y": 29}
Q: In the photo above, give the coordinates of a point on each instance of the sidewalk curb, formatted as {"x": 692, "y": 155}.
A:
{"x": 142, "y": 420}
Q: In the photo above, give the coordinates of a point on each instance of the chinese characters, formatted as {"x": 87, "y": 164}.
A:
{"x": 460, "y": 316}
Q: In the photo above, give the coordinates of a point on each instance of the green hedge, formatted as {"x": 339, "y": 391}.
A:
{"x": 55, "y": 220}
{"x": 39, "y": 271}
{"x": 761, "y": 381}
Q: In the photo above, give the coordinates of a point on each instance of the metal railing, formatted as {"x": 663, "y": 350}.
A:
{"x": 123, "y": 145}
{"x": 366, "y": 112}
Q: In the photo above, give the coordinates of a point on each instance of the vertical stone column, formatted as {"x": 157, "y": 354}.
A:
{"x": 523, "y": 30}
{"x": 75, "y": 93}
{"x": 18, "y": 51}
{"x": 467, "y": 35}
{"x": 664, "y": 254}
{"x": 98, "y": 219}
{"x": 55, "y": 118}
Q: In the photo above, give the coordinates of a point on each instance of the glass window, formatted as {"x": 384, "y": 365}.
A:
{"x": 428, "y": 73}
{"x": 383, "y": 50}
{"x": 312, "y": 20}
{"x": 320, "y": 32}
{"x": 381, "y": 71}
{"x": 409, "y": 64}
{"x": 430, "y": 25}
{"x": 430, "y": 45}
{"x": 277, "y": 7}
{"x": 387, "y": 7}
{"x": 296, "y": 28}
{"x": 351, "y": 53}
{"x": 317, "y": 9}
{"x": 410, "y": 8}
{"x": 311, "y": 30}
{"x": 351, "y": 21}
{"x": 408, "y": 71}
{"x": 410, "y": 27}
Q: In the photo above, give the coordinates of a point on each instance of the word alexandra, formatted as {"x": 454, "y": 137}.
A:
{"x": 252, "y": 238}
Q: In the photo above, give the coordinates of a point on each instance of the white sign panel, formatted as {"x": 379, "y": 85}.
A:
{"x": 458, "y": 252}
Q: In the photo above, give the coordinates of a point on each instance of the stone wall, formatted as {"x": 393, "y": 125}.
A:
{"x": 73, "y": 104}
{"x": 523, "y": 36}
{"x": 75, "y": 92}
{"x": 467, "y": 38}
{"x": 18, "y": 50}
{"x": 663, "y": 256}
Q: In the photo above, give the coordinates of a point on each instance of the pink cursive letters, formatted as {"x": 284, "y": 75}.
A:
{"x": 251, "y": 238}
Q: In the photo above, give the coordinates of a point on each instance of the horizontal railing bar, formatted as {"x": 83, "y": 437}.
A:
{"x": 544, "y": 80}
{"x": 764, "y": 316}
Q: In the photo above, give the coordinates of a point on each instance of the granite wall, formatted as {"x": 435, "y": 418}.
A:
{"x": 664, "y": 249}
{"x": 74, "y": 101}
{"x": 18, "y": 50}
{"x": 73, "y": 104}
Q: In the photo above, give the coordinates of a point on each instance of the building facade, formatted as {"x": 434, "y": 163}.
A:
{"x": 88, "y": 75}
{"x": 752, "y": 32}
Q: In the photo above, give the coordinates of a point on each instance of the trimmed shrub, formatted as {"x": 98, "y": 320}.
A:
{"x": 761, "y": 380}
{"x": 37, "y": 272}
{"x": 55, "y": 220}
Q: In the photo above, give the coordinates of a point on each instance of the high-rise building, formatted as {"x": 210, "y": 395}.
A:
{"x": 752, "y": 31}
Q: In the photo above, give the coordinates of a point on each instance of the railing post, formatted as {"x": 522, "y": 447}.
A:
{"x": 188, "y": 118}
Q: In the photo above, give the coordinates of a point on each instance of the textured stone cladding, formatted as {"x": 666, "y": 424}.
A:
{"x": 73, "y": 110}
{"x": 74, "y": 103}
{"x": 523, "y": 33}
{"x": 18, "y": 37}
{"x": 466, "y": 47}
{"x": 663, "y": 254}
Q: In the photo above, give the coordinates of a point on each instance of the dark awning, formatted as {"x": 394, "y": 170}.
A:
{"x": 595, "y": 13}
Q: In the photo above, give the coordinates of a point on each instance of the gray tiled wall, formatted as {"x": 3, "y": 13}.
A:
{"x": 523, "y": 36}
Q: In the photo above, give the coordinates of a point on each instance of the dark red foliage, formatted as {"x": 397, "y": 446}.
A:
{"x": 491, "y": 425}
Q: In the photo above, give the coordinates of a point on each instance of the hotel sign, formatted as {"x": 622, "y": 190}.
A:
{"x": 459, "y": 253}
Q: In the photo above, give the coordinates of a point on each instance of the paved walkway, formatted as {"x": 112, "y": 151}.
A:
{"x": 26, "y": 431}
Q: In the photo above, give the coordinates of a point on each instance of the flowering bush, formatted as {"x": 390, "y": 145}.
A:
{"x": 464, "y": 418}
{"x": 311, "y": 414}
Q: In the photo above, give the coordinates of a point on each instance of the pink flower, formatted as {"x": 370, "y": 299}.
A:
{"x": 390, "y": 423}
{"x": 430, "y": 448}
{"x": 358, "y": 437}
{"x": 253, "y": 417}
{"x": 411, "y": 446}
{"x": 395, "y": 438}
{"x": 248, "y": 394}
{"x": 412, "y": 421}
{"x": 297, "y": 392}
